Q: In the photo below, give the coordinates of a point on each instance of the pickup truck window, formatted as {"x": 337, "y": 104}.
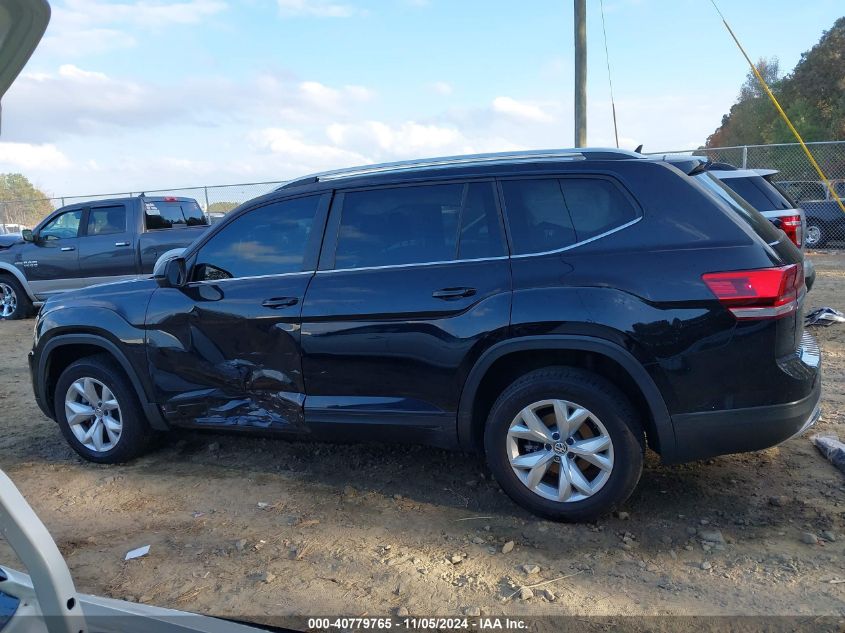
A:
{"x": 107, "y": 220}
{"x": 270, "y": 240}
{"x": 62, "y": 227}
{"x": 165, "y": 214}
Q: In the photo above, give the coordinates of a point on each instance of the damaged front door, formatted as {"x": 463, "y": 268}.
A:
{"x": 224, "y": 350}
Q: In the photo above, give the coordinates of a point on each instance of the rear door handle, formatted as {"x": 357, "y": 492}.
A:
{"x": 68, "y": 248}
{"x": 280, "y": 302}
{"x": 121, "y": 243}
{"x": 453, "y": 293}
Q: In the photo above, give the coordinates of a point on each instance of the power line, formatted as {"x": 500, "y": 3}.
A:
{"x": 609, "y": 76}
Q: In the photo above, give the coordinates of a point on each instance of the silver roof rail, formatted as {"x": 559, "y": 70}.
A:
{"x": 465, "y": 160}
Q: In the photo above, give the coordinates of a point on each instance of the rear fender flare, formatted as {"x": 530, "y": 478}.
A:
{"x": 657, "y": 406}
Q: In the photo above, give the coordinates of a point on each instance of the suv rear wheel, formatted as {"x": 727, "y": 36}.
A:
{"x": 98, "y": 411}
{"x": 565, "y": 443}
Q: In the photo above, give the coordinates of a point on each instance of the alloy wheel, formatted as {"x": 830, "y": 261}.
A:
{"x": 560, "y": 450}
{"x": 93, "y": 414}
{"x": 814, "y": 235}
{"x": 8, "y": 300}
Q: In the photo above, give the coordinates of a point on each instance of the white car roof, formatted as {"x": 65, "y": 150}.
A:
{"x": 741, "y": 173}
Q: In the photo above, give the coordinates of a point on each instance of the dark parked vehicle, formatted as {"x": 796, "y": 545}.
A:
{"x": 92, "y": 243}
{"x": 825, "y": 219}
{"x": 559, "y": 311}
{"x": 756, "y": 188}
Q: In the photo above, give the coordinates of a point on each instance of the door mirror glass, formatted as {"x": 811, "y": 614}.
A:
{"x": 27, "y": 235}
{"x": 172, "y": 273}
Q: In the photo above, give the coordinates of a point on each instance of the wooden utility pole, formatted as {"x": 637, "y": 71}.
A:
{"x": 580, "y": 73}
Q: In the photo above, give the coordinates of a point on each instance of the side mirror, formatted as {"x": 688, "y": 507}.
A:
{"x": 27, "y": 235}
{"x": 172, "y": 273}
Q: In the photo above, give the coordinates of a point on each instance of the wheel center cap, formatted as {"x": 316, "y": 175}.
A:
{"x": 98, "y": 412}
{"x": 560, "y": 448}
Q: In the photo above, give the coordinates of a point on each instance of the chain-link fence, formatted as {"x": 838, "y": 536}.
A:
{"x": 825, "y": 220}
{"x": 215, "y": 200}
{"x": 797, "y": 177}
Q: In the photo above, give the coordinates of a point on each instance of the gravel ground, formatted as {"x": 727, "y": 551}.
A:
{"x": 251, "y": 527}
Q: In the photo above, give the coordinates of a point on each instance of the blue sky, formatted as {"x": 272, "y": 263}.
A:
{"x": 146, "y": 94}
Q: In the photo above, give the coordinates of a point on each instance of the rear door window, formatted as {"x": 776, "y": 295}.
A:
{"x": 417, "y": 224}
{"x": 107, "y": 220}
{"x": 166, "y": 214}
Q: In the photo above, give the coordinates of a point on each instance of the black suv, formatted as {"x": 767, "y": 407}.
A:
{"x": 558, "y": 310}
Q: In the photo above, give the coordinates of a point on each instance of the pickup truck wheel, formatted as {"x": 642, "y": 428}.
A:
{"x": 816, "y": 235}
{"x": 14, "y": 302}
{"x": 565, "y": 444}
{"x": 99, "y": 413}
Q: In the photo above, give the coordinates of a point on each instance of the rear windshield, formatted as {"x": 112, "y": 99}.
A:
{"x": 761, "y": 226}
{"x": 758, "y": 193}
{"x": 165, "y": 214}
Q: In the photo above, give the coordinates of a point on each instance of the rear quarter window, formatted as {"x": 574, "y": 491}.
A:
{"x": 758, "y": 193}
{"x": 547, "y": 214}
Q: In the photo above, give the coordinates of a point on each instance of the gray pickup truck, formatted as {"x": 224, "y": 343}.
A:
{"x": 92, "y": 243}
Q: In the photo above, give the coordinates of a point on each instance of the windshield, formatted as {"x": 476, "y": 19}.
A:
{"x": 749, "y": 214}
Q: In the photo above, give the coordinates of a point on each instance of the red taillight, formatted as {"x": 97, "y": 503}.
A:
{"x": 791, "y": 225}
{"x": 766, "y": 293}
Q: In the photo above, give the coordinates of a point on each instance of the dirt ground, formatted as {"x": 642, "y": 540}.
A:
{"x": 250, "y": 527}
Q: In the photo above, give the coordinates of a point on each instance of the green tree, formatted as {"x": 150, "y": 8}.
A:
{"x": 21, "y": 202}
{"x": 813, "y": 96}
{"x": 221, "y": 207}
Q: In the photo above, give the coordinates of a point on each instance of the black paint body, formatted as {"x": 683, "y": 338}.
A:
{"x": 371, "y": 353}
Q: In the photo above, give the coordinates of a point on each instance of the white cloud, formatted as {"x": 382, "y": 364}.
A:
{"x": 521, "y": 110}
{"x": 441, "y": 87}
{"x": 17, "y": 156}
{"x": 328, "y": 99}
{"x": 296, "y": 150}
{"x": 85, "y": 27}
{"x": 315, "y": 8}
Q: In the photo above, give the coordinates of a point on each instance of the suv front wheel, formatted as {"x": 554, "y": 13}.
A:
{"x": 98, "y": 411}
{"x": 565, "y": 443}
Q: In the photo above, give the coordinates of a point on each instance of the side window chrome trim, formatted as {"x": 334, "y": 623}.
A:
{"x": 222, "y": 281}
{"x": 489, "y": 259}
{"x": 582, "y": 242}
{"x": 415, "y": 264}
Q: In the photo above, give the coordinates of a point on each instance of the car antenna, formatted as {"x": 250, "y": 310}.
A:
{"x": 639, "y": 149}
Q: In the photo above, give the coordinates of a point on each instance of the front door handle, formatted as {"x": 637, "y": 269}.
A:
{"x": 280, "y": 302}
{"x": 453, "y": 293}
{"x": 68, "y": 248}
{"x": 121, "y": 243}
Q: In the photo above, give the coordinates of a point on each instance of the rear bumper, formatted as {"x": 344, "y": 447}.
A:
{"x": 702, "y": 435}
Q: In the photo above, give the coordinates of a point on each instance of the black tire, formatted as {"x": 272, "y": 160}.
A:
{"x": 812, "y": 227}
{"x": 135, "y": 436}
{"x": 601, "y": 398}
{"x": 22, "y": 303}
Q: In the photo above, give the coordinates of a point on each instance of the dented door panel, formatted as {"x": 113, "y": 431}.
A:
{"x": 220, "y": 357}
